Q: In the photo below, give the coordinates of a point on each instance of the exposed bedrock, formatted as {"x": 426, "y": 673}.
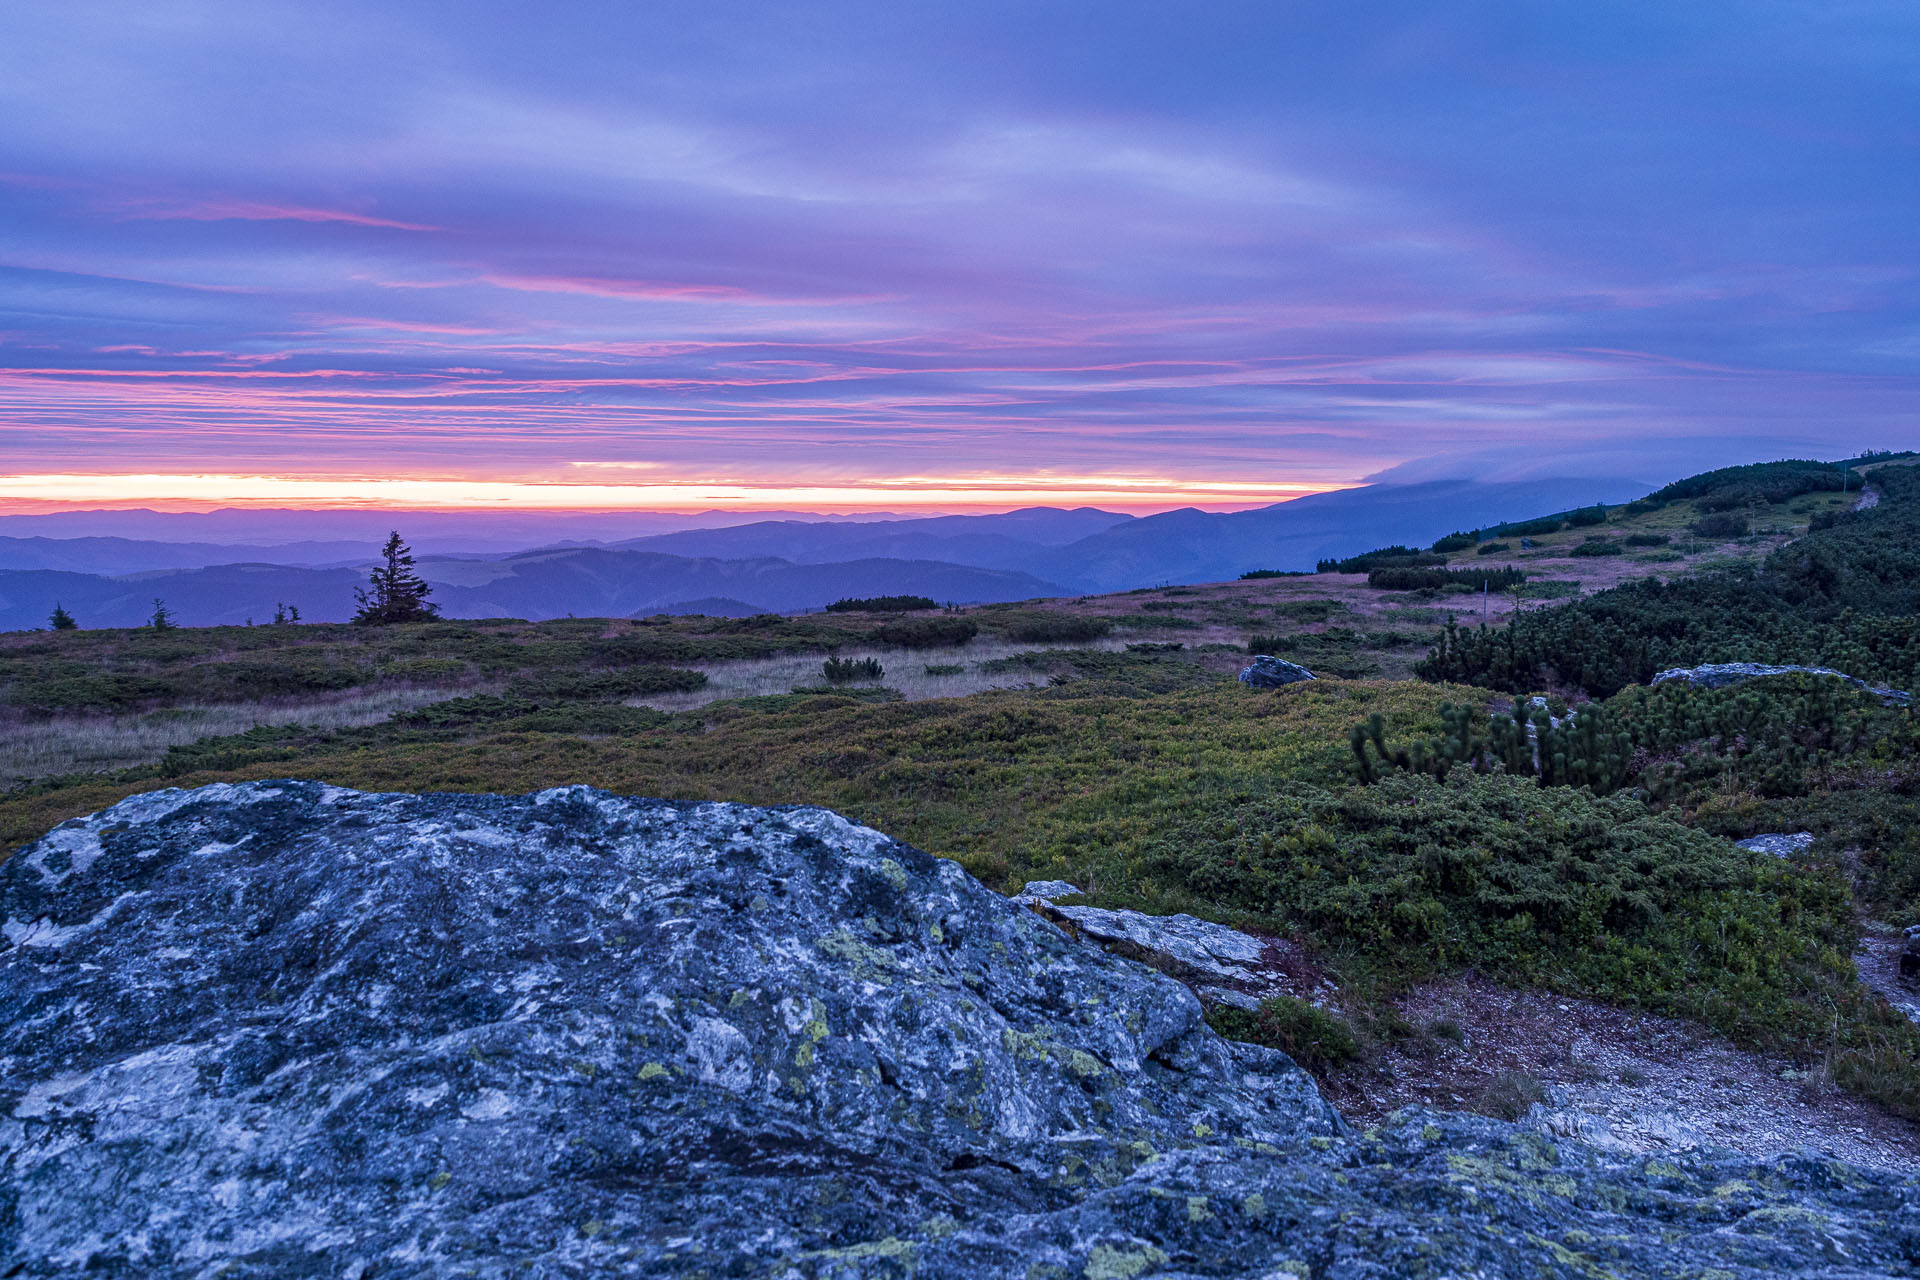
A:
{"x": 281, "y": 1029}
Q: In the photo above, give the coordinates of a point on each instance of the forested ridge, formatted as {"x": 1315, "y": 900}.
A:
{"x": 1845, "y": 596}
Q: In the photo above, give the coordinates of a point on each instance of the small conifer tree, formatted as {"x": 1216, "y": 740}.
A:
{"x": 394, "y": 592}
{"x": 61, "y": 620}
{"x": 162, "y": 619}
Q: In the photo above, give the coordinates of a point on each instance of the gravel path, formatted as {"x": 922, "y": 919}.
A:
{"x": 1641, "y": 1083}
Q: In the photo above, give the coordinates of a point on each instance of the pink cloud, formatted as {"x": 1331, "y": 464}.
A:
{"x": 258, "y": 211}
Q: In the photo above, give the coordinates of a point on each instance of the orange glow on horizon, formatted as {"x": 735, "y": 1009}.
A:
{"x": 201, "y": 492}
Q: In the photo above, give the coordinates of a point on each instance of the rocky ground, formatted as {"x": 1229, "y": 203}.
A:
{"x": 281, "y": 1029}
{"x": 1643, "y": 1083}
{"x": 1878, "y": 961}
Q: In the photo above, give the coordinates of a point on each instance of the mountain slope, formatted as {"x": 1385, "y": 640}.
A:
{"x": 1198, "y": 546}
{"x": 595, "y": 582}
{"x": 134, "y": 555}
{"x": 1013, "y": 539}
{"x": 587, "y": 582}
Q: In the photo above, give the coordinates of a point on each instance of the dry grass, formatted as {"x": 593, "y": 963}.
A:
{"x": 905, "y": 670}
{"x": 31, "y": 749}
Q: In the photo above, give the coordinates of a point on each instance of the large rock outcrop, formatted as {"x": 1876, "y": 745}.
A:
{"x": 281, "y": 1029}
{"x": 1720, "y": 675}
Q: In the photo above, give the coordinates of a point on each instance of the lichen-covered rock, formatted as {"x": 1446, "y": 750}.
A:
{"x": 1269, "y": 672}
{"x": 1718, "y": 675}
{"x": 280, "y": 1029}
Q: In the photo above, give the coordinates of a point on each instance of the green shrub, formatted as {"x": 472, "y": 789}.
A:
{"x": 1528, "y": 528}
{"x": 1036, "y": 627}
{"x": 1587, "y": 517}
{"x": 1722, "y": 524}
{"x": 1598, "y": 547}
{"x": 1493, "y": 548}
{"x": 1312, "y": 1037}
{"x": 1392, "y": 557}
{"x": 1456, "y": 542}
{"x": 1418, "y": 579}
{"x": 583, "y": 686}
{"x": 1251, "y": 574}
{"x": 881, "y": 604}
{"x": 847, "y": 670}
{"x": 1647, "y": 539}
{"x": 925, "y": 633}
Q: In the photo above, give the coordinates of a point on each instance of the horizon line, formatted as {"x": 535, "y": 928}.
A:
{"x": 202, "y": 493}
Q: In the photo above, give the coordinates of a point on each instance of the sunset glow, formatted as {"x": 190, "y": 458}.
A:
{"x": 205, "y": 492}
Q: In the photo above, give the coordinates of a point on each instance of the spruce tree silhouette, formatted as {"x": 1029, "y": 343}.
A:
{"x": 394, "y": 592}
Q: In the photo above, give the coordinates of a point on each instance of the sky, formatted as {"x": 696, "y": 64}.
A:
{"x": 599, "y": 255}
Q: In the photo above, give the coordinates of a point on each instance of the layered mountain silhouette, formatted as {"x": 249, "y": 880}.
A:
{"x": 782, "y": 565}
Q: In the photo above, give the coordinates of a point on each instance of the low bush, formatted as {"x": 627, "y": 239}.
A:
{"x": 925, "y": 633}
{"x": 1586, "y": 517}
{"x": 847, "y": 670}
{"x": 1528, "y": 528}
{"x": 1251, "y": 574}
{"x": 1455, "y": 542}
{"x": 1394, "y": 557}
{"x": 1417, "y": 579}
{"x": 588, "y": 686}
{"x": 1037, "y": 627}
{"x": 1647, "y": 540}
{"x": 1722, "y": 524}
{"x": 881, "y": 604}
{"x": 1492, "y": 548}
{"x": 1312, "y": 1037}
{"x": 1598, "y": 547}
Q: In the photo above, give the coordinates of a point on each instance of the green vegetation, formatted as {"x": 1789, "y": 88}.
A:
{"x": 1035, "y": 626}
{"x": 1529, "y": 528}
{"x": 1317, "y": 1040}
{"x": 847, "y": 670}
{"x": 60, "y": 619}
{"x": 1394, "y": 557}
{"x": 1492, "y": 548}
{"x": 1456, "y": 542}
{"x": 1402, "y": 578}
{"x": 1255, "y": 574}
{"x": 926, "y": 633}
{"x": 1599, "y": 547}
{"x": 881, "y": 604}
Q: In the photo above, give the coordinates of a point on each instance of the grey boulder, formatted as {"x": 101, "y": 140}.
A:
{"x": 1268, "y": 672}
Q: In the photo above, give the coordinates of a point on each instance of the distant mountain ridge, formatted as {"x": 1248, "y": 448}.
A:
{"x": 1189, "y": 546}
{"x": 586, "y": 582}
{"x": 777, "y": 565}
